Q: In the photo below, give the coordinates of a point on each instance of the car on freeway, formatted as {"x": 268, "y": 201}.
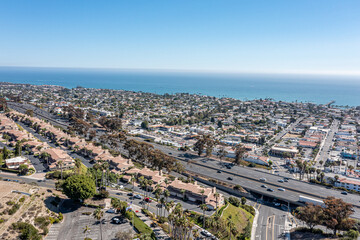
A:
{"x": 285, "y": 180}
{"x": 228, "y": 166}
{"x": 219, "y": 171}
{"x": 281, "y": 189}
{"x": 130, "y": 194}
{"x": 230, "y": 178}
{"x": 280, "y": 181}
{"x": 6, "y": 180}
{"x": 137, "y": 196}
{"x": 270, "y": 189}
{"x": 276, "y": 204}
{"x": 148, "y": 200}
{"x": 344, "y": 193}
{"x": 206, "y": 233}
{"x": 263, "y": 186}
{"x": 263, "y": 179}
{"x": 119, "y": 193}
{"x": 111, "y": 210}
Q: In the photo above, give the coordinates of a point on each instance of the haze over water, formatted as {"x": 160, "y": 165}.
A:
{"x": 344, "y": 90}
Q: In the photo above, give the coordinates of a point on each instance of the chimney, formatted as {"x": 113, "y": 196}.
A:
{"x": 160, "y": 172}
{"x": 214, "y": 190}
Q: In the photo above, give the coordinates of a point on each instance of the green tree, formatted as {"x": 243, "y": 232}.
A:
{"x": 18, "y": 148}
{"x": 243, "y": 201}
{"x": 145, "y": 125}
{"x": 79, "y": 187}
{"x": 5, "y": 153}
{"x": 24, "y": 169}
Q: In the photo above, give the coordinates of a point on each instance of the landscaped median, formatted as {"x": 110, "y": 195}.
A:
{"x": 140, "y": 226}
{"x": 230, "y": 219}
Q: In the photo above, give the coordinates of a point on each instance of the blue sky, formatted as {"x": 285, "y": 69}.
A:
{"x": 297, "y": 36}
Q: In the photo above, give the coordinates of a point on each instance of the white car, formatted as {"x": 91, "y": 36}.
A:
{"x": 206, "y": 233}
{"x": 281, "y": 189}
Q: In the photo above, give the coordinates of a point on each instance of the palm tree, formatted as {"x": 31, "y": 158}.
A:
{"x": 202, "y": 191}
{"x": 163, "y": 202}
{"x": 216, "y": 195}
{"x": 230, "y": 225}
{"x": 133, "y": 180}
{"x": 183, "y": 191}
{"x": 86, "y": 230}
{"x": 98, "y": 214}
{"x": 61, "y": 163}
{"x": 46, "y": 156}
{"x": 204, "y": 208}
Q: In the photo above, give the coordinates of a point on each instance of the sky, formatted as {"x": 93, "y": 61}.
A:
{"x": 257, "y": 36}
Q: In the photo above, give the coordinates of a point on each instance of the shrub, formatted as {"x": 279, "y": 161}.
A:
{"x": 162, "y": 219}
{"x": 10, "y": 203}
{"x": 249, "y": 209}
{"x": 28, "y": 231}
{"x": 13, "y": 209}
{"x": 234, "y": 201}
{"x": 22, "y": 199}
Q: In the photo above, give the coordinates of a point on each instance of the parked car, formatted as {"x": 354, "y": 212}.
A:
{"x": 276, "y": 204}
{"x": 280, "y": 181}
{"x": 119, "y": 193}
{"x": 148, "y": 200}
{"x": 130, "y": 194}
{"x": 219, "y": 171}
{"x": 137, "y": 196}
{"x": 111, "y": 210}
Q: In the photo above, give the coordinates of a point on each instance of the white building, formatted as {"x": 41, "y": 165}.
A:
{"x": 350, "y": 184}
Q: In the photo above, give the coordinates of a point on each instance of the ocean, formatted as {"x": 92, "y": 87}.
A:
{"x": 345, "y": 90}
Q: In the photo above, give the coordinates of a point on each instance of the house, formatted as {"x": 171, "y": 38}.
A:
{"x": 195, "y": 193}
{"x": 57, "y": 155}
{"x": 257, "y": 159}
{"x": 14, "y": 163}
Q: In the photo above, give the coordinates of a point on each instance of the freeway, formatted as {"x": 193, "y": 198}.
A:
{"x": 249, "y": 179}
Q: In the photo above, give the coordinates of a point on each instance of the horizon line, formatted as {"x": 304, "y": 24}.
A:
{"x": 202, "y": 71}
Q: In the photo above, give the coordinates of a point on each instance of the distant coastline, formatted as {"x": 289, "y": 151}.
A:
{"x": 280, "y": 87}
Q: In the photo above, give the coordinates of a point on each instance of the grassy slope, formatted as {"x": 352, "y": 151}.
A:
{"x": 239, "y": 216}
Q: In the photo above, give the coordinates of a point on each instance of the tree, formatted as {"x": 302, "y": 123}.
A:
{"x": 216, "y": 195}
{"x": 222, "y": 152}
{"x": 239, "y": 153}
{"x": 311, "y": 214}
{"x": 336, "y": 214}
{"x": 98, "y": 214}
{"x": 24, "y": 169}
{"x": 5, "y": 153}
{"x": 352, "y": 234}
{"x": 29, "y": 112}
{"x": 61, "y": 163}
{"x": 203, "y": 207}
{"x": 79, "y": 187}
{"x": 86, "y": 230}
{"x": 145, "y": 125}
{"x": 18, "y": 148}
{"x": 243, "y": 201}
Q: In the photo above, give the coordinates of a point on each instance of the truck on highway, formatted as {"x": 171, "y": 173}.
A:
{"x": 304, "y": 199}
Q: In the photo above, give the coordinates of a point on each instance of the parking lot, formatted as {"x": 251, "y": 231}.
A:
{"x": 77, "y": 221}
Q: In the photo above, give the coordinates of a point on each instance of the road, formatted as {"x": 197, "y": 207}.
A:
{"x": 327, "y": 144}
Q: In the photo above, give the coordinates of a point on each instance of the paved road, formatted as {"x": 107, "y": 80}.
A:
{"x": 327, "y": 144}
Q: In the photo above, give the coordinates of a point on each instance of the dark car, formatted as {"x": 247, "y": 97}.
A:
{"x": 230, "y": 178}
{"x": 263, "y": 186}
{"x": 130, "y": 194}
{"x": 270, "y": 189}
{"x": 344, "y": 193}
{"x": 219, "y": 171}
